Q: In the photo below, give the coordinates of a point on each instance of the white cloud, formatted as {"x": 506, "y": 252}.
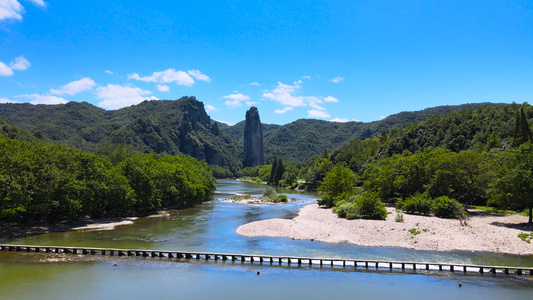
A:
{"x": 44, "y": 99}
{"x": 306, "y": 77}
{"x": 38, "y": 3}
{"x": 314, "y": 101}
{"x": 236, "y": 99}
{"x": 284, "y": 94}
{"x": 167, "y": 76}
{"x": 255, "y": 83}
{"x": 317, "y": 114}
{"x": 11, "y": 9}
{"x": 108, "y": 72}
{"x": 250, "y": 103}
{"x": 5, "y": 70}
{"x": 343, "y": 120}
{"x": 209, "y": 107}
{"x": 282, "y": 111}
{"x": 337, "y": 79}
{"x": 20, "y": 64}
{"x": 163, "y": 88}
{"x": 227, "y": 123}
{"x": 331, "y": 99}
{"x": 75, "y": 87}
{"x": 287, "y": 95}
{"x": 115, "y": 96}
{"x": 199, "y": 76}
{"x": 381, "y": 117}
{"x": 5, "y": 100}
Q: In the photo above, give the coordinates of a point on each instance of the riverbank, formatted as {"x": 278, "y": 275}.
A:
{"x": 15, "y": 230}
{"x": 485, "y": 232}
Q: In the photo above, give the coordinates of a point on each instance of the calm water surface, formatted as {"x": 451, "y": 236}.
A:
{"x": 210, "y": 227}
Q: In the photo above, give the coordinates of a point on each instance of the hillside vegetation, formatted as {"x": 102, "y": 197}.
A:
{"x": 300, "y": 140}
{"x": 164, "y": 127}
{"x": 480, "y": 156}
{"x": 45, "y": 182}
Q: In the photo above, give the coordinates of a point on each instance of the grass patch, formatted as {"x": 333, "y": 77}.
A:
{"x": 241, "y": 197}
{"x": 526, "y": 237}
{"x": 494, "y": 210}
{"x": 414, "y": 231}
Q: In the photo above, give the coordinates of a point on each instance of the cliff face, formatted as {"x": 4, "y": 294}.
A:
{"x": 253, "y": 139}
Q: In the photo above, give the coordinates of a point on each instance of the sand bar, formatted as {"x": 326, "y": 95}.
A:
{"x": 484, "y": 232}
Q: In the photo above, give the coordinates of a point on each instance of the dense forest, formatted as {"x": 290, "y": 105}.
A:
{"x": 477, "y": 156}
{"x": 45, "y": 181}
{"x": 438, "y": 160}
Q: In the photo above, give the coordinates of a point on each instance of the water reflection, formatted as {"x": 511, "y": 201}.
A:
{"x": 210, "y": 227}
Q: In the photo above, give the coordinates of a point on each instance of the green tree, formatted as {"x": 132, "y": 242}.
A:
{"x": 514, "y": 187}
{"x": 272, "y": 179}
{"x": 278, "y": 173}
{"x": 522, "y": 132}
{"x": 337, "y": 185}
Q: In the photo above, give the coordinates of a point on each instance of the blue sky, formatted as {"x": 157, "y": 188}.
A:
{"x": 330, "y": 60}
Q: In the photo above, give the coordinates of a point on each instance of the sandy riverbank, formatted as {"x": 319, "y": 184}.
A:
{"x": 485, "y": 232}
{"x": 11, "y": 230}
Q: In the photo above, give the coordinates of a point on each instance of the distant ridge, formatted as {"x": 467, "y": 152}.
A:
{"x": 304, "y": 138}
{"x": 183, "y": 127}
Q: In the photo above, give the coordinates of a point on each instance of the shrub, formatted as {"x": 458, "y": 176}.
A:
{"x": 399, "y": 217}
{"x": 327, "y": 201}
{"x": 347, "y": 209}
{"x": 444, "y": 207}
{"x": 365, "y": 205}
{"x": 270, "y": 192}
{"x": 370, "y": 207}
{"x": 418, "y": 203}
{"x": 283, "y": 198}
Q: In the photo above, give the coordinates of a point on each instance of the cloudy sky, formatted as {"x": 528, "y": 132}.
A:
{"x": 330, "y": 60}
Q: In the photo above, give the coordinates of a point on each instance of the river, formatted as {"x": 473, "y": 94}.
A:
{"x": 210, "y": 227}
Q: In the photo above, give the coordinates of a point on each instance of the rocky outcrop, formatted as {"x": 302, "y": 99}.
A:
{"x": 253, "y": 139}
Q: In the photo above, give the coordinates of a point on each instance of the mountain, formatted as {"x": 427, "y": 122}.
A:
{"x": 305, "y": 138}
{"x": 183, "y": 127}
{"x": 162, "y": 126}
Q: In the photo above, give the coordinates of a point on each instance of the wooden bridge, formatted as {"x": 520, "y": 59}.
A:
{"x": 290, "y": 261}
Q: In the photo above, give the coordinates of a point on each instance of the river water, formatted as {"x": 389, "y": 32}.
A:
{"x": 210, "y": 227}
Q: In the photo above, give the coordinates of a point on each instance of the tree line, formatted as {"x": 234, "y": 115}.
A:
{"x": 43, "y": 181}
{"x": 481, "y": 156}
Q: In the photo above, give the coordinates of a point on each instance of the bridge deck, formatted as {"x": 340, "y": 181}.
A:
{"x": 279, "y": 260}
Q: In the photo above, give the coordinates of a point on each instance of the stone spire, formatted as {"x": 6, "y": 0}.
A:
{"x": 253, "y": 139}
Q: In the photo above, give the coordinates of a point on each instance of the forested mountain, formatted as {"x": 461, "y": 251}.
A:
{"x": 305, "y": 138}
{"x": 474, "y": 128}
{"x": 183, "y": 126}
{"x": 166, "y": 127}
